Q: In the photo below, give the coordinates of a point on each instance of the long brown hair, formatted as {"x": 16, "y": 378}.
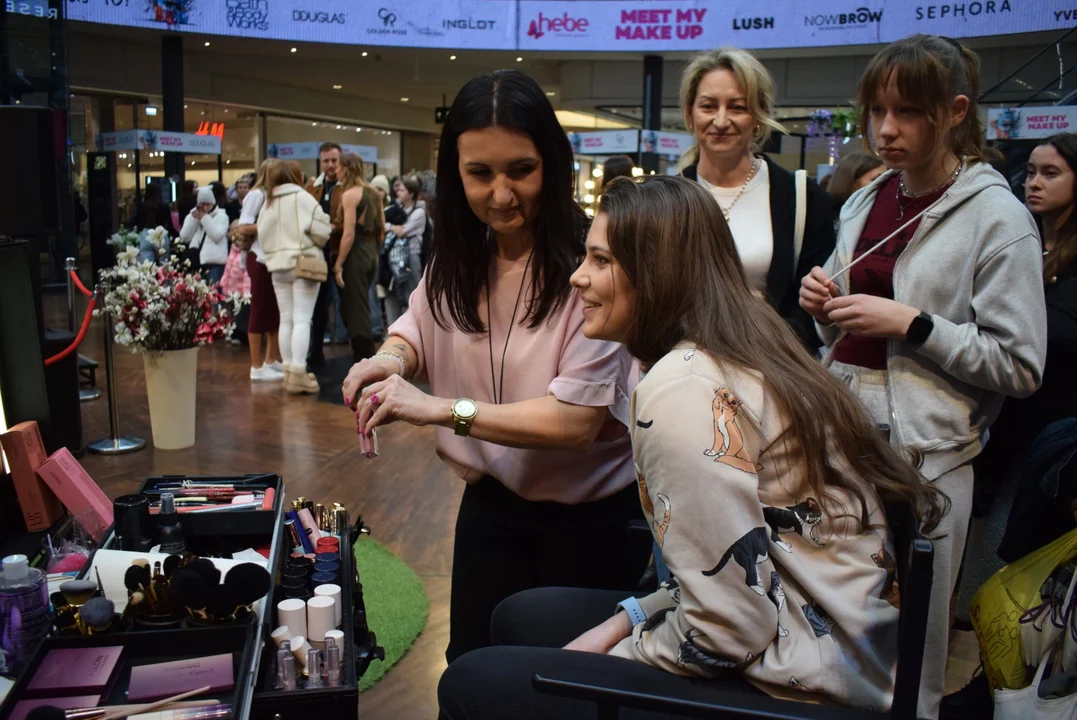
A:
{"x": 280, "y": 173}
{"x": 1065, "y": 250}
{"x": 930, "y": 72}
{"x": 263, "y": 174}
{"x": 670, "y": 239}
{"x": 353, "y": 174}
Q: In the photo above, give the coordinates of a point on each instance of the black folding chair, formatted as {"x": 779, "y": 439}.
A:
{"x": 914, "y": 560}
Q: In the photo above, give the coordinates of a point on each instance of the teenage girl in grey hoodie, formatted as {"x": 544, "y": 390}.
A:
{"x": 933, "y": 329}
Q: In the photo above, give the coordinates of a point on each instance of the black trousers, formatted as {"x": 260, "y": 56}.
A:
{"x": 505, "y": 544}
{"x": 530, "y": 627}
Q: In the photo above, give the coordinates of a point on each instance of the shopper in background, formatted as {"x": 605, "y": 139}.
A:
{"x": 264, "y": 321}
{"x": 1035, "y": 520}
{"x": 287, "y": 229}
{"x": 235, "y": 207}
{"x": 854, "y": 171}
{"x": 323, "y": 189}
{"x": 153, "y": 212}
{"x": 188, "y": 198}
{"x": 933, "y": 330}
{"x": 380, "y": 183}
{"x": 405, "y": 254}
{"x": 539, "y": 433}
{"x": 727, "y": 97}
{"x": 353, "y": 272}
{"x": 615, "y": 166}
{"x": 205, "y": 230}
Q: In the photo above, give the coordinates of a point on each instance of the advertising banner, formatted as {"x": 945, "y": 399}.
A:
{"x": 1029, "y": 123}
{"x": 578, "y": 25}
{"x": 161, "y": 140}
{"x": 293, "y": 151}
{"x": 665, "y": 143}
{"x": 604, "y": 142}
{"x": 368, "y": 153}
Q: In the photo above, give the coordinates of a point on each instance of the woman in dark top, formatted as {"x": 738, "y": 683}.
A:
{"x": 727, "y": 97}
{"x": 363, "y": 221}
{"x": 1050, "y": 193}
{"x": 153, "y": 213}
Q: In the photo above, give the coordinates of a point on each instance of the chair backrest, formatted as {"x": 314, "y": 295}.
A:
{"x": 915, "y": 555}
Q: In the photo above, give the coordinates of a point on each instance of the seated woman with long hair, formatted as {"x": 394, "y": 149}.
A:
{"x": 763, "y": 480}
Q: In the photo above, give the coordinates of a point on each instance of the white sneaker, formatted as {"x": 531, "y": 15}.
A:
{"x": 275, "y": 366}
{"x": 266, "y": 374}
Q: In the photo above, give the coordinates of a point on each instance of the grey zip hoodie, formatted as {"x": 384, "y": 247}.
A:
{"x": 975, "y": 265}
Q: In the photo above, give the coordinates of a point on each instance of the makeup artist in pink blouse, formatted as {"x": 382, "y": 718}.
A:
{"x": 532, "y": 415}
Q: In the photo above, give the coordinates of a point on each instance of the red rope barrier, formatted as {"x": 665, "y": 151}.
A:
{"x": 78, "y": 338}
{"x": 79, "y": 285}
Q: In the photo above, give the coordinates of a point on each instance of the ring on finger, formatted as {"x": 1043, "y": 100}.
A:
{"x": 374, "y": 399}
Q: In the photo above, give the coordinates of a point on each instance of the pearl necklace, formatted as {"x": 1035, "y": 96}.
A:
{"x": 751, "y": 174}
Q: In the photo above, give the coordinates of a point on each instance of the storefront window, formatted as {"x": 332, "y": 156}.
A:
{"x": 281, "y": 130}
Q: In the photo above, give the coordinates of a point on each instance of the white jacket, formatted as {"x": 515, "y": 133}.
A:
{"x": 284, "y": 227}
{"x": 210, "y": 233}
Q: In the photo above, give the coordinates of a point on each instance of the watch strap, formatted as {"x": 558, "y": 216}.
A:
{"x": 634, "y": 609}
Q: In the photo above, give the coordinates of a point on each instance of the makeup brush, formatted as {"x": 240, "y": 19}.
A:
{"x": 137, "y": 577}
{"x": 222, "y": 602}
{"x": 59, "y": 601}
{"x": 171, "y": 564}
{"x": 51, "y": 712}
{"x": 141, "y": 562}
{"x": 251, "y": 581}
{"x": 205, "y": 568}
{"x": 77, "y": 592}
{"x": 96, "y": 616}
{"x": 123, "y": 711}
{"x": 191, "y": 590}
{"x": 136, "y": 599}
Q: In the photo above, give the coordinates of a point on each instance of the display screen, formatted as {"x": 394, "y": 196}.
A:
{"x": 580, "y": 25}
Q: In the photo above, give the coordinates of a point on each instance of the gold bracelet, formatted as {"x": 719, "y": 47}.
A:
{"x": 401, "y": 361}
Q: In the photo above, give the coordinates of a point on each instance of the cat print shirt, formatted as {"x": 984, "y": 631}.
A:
{"x": 764, "y": 582}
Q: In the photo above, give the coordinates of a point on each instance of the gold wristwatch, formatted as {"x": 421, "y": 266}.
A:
{"x": 464, "y": 411}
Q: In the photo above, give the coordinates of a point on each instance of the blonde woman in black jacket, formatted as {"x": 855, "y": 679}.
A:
{"x": 727, "y": 97}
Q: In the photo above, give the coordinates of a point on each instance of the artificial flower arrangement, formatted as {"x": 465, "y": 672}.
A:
{"x": 125, "y": 238}
{"x": 158, "y": 306}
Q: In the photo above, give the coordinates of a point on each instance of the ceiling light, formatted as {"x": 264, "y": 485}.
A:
{"x": 227, "y": 162}
{"x": 151, "y": 111}
{"x": 338, "y": 127}
{"x": 588, "y": 198}
{"x": 365, "y": 53}
{"x": 404, "y": 99}
{"x": 358, "y": 129}
{"x": 452, "y": 57}
{"x": 597, "y": 172}
{"x": 192, "y": 163}
{"x": 314, "y": 124}
{"x": 519, "y": 59}
{"x": 589, "y": 184}
{"x": 207, "y": 43}
{"x": 337, "y": 87}
{"x": 184, "y": 107}
{"x": 203, "y": 112}
{"x": 294, "y": 49}
{"x": 226, "y": 109}
{"x": 550, "y": 93}
{"x": 128, "y": 164}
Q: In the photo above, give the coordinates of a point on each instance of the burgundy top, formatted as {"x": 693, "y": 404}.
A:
{"x": 875, "y": 274}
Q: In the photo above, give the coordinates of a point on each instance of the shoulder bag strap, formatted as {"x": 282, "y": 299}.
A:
{"x": 801, "y": 181}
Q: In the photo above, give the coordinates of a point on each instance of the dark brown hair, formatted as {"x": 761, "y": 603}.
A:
{"x": 615, "y": 167}
{"x": 930, "y": 72}
{"x": 413, "y": 186}
{"x": 462, "y": 246}
{"x": 1065, "y": 250}
{"x": 850, "y": 168}
{"x": 670, "y": 239}
{"x": 327, "y": 146}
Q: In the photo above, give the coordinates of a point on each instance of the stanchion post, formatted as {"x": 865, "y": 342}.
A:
{"x": 70, "y": 266}
{"x": 114, "y": 444}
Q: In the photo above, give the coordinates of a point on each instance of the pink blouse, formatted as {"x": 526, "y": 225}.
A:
{"x": 552, "y": 359}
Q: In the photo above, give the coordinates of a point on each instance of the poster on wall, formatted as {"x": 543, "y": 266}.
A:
{"x": 1030, "y": 122}
{"x": 309, "y": 151}
{"x": 604, "y": 142}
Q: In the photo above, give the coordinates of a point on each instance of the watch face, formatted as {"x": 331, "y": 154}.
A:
{"x": 466, "y": 408}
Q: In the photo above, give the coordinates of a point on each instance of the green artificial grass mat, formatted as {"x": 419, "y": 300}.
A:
{"x": 396, "y": 605}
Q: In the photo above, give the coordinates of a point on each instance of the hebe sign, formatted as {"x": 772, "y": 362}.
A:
{"x": 556, "y": 25}
{"x": 661, "y": 24}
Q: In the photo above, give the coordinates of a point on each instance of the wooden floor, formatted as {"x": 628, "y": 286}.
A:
{"x": 407, "y": 496}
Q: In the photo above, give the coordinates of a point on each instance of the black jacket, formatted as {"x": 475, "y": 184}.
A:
{"x": 783, "y": 280}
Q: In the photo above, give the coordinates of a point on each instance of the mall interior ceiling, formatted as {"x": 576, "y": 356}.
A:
{"x": 373, "y": 81}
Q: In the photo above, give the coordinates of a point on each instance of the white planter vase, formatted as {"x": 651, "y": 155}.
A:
{"x": 171, "y": 386}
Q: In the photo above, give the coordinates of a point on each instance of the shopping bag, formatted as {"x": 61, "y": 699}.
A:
{"x": 1016, "y": 613}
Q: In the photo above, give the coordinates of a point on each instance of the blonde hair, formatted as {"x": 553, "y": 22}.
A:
{"x": 282, "y": 172}
{"x": 751, "y": 75}
{"x": 929, "y": 71}
{"x": 263, "y": 173}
